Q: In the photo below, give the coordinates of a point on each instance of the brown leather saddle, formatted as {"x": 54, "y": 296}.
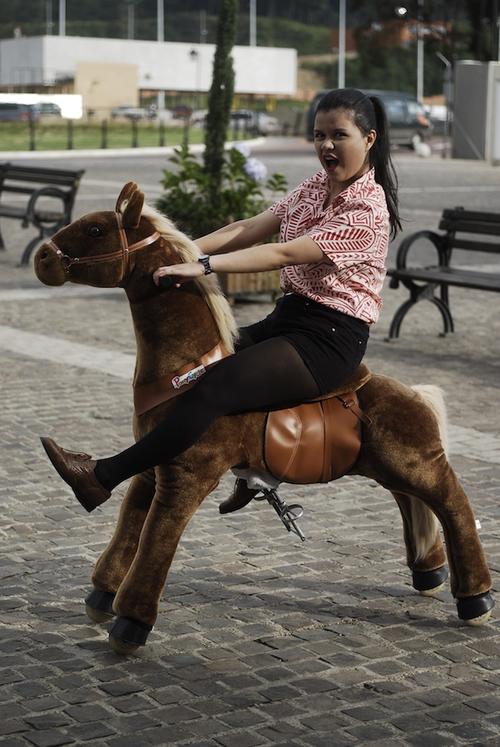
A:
{"x": 317, "y": 441}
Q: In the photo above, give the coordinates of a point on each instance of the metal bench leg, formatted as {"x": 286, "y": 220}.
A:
{"x": 29, "y": 248}
{"x": 398, "y": 319}
{"x": 446, "y": 315}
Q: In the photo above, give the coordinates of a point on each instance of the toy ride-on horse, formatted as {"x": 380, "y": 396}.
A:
{"x": 374, "y": 426}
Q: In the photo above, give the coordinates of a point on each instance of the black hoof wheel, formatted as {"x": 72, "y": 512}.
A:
{"x": 99, "y": 606}
{"x": 127, "y": 635}
{"x": 475, "y": 610}
{"x": 429, "y": 583}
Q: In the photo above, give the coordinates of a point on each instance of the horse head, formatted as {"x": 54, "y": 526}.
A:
{"x": 99, "y": 248}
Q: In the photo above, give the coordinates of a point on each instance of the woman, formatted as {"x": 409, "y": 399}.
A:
{"x": 334, "y": 236}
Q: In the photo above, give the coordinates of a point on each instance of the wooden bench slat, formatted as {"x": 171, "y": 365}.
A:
{"x": 450, "y": 276}
{"x": 461, "y": 214}
{"x": 470, "y": 245}
{"x": 470, "y": 226}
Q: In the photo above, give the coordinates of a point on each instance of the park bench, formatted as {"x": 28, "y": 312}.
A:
{"x": 468, "y": 230}
{"x": 49, "y": 198}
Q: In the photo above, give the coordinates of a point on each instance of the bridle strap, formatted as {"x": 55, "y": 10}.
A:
{"x": 123, "y": 252}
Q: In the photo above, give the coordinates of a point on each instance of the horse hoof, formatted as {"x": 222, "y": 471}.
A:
{"x": 121, "y": 648}
{"x": 476, "y": 610}
{"x": 127, "y": 635}
{"x": 430, "y": 583}
{"x": 99, "y": 606}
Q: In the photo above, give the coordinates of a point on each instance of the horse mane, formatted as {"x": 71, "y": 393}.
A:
{"x": 208, "y": 285}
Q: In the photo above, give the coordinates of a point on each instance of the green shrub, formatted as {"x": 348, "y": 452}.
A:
{"x": 187, "y": 199}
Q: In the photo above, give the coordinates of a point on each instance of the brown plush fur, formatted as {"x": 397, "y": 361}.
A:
{"x": 402, "y": 448}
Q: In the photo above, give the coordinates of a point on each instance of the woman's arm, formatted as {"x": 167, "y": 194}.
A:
{"x": 302, "y": 250}
{"x": 241, "y": 234}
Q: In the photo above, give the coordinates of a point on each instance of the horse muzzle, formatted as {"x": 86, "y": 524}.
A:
{"x": 49, "y": 265}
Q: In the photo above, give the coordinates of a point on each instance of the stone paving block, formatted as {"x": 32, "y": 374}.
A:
{"x": 12, "y": 726}
{"x": 90, "y": 732}
{"x": 49, "y": 738}
{"x": 241, "y": 739}
{"x": 370, "y": 733}
{"x": 87, "y": 713}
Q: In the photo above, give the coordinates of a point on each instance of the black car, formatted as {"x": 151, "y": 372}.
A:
{"x": 408, "y": 122}
{"x": 17, "y": 112}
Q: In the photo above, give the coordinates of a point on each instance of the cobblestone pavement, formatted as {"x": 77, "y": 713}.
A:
{"x": 261, "y": 639}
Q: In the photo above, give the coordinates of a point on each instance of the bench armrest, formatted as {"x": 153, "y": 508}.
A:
{"x": 47, "y": 192}
{"x": 435, "y": 238}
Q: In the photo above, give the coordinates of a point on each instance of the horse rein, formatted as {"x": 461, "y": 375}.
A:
{"x": 123, "y": 253}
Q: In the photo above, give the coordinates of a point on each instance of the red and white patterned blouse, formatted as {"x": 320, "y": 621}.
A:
{"x": 353, "y": 233}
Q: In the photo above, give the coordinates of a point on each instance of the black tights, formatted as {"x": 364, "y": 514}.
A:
{"x": 260, "y": 376}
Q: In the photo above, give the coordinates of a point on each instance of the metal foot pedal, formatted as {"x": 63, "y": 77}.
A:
{"x": 289, "y": 515}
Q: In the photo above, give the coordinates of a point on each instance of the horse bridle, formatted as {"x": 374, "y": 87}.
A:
{"x": 124, "y": 252}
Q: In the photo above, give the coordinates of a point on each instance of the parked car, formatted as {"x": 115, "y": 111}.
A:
{"x": 127, "y": 111}
{"x": 17, "y": 112}
{"x": 48, "y": 109}
{"x": 408, "y": 122}
{"x": 258, "y": 123}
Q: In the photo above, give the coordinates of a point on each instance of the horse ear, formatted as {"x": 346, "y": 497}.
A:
{"x": 132, "y": 213}
{"x": 126, "y": 194}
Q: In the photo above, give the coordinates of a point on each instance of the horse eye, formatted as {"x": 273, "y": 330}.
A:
{"x": 94, "y": 231}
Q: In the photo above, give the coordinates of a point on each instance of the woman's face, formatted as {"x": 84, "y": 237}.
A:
{"x": 341, "y": 146}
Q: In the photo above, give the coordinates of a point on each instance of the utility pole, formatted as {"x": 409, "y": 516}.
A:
{"x": 49, "y": 26}
{"x": 253, "y": 23}
{"x": 62, "y": 17}
{"x": 130, "y": 19}
{"x": 341, "y": 62}
{"x": 160, "y": 17}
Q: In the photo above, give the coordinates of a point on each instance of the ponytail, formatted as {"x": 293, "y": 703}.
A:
{"x": 380, "y": 159}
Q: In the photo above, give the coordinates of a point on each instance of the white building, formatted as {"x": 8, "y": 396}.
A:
{"x": 162, "y": 66}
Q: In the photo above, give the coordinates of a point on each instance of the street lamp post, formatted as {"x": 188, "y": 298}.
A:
{"x": 401, "y": 12}
{"x": 420, "y": 51}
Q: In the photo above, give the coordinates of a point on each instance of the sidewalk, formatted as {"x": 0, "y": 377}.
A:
{"x": 261, "y": 639}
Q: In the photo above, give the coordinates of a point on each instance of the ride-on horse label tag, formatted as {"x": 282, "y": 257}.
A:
{"x": 188, "y": 377}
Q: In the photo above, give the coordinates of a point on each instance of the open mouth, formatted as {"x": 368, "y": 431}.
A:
{"x": 330, "y": 161}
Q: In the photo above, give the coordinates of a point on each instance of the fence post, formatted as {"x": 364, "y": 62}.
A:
{"x": 135, "y": 141}
{"x": 104, "y": 133}
{"x": 31, "y": 125}
{"x": 185, "y": 134}
{"x": 161, "y": 133}
{"x": 69, "y": 145}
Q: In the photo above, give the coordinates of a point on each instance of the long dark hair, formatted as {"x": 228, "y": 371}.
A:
{"x": 368, "y": 113}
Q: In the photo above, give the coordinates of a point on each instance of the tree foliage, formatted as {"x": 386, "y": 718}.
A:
{"x": 220, "y": 96}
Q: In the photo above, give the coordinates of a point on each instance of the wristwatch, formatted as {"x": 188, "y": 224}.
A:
{"x": 205, "y": 261}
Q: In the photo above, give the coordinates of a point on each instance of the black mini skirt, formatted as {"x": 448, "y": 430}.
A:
{"x": 330, "y": 343}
